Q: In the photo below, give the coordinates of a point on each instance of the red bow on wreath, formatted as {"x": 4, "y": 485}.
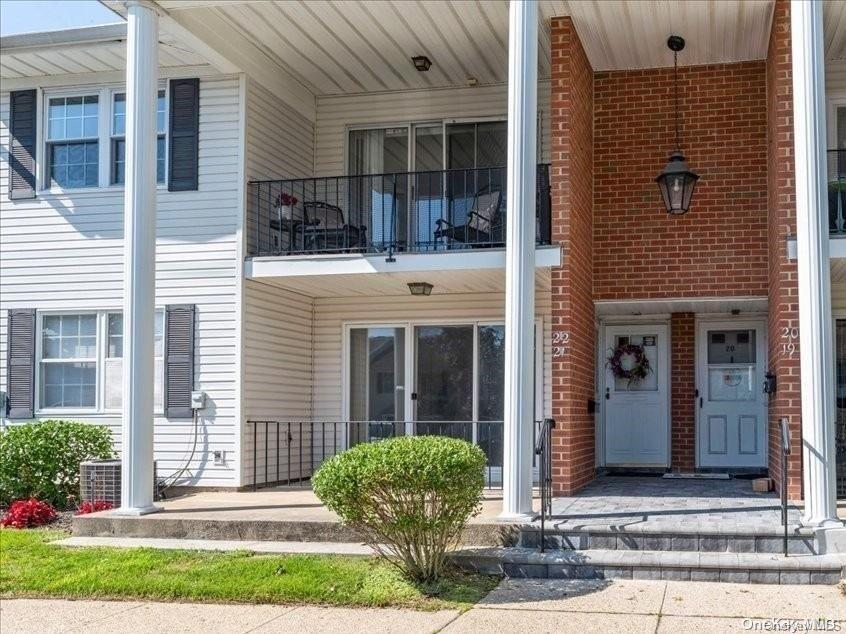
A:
{"x": 639, "y": 370}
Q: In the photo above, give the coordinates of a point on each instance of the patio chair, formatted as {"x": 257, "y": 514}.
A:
{"x": 484, "y": 225}
{"x": 324, "y": 229}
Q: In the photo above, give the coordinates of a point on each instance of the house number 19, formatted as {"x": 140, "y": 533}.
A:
{"x": 789, "y": 337}
{"x": 560, "y": 339}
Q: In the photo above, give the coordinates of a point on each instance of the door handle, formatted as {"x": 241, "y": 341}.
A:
{"x": 607, "y": 393}
{"x": 700, "y": 402}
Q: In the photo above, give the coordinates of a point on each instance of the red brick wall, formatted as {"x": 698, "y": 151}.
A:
{"x": 682, "y": 392}
{"x": 783, "y": 290}
{"x": 573, "y": 457}
{"x": 720, "y": 247}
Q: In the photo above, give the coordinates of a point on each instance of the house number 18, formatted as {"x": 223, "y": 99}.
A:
{"x": 560, "y": 339}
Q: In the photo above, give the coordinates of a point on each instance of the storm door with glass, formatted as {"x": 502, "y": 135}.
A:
{"x": 731, "y": 405}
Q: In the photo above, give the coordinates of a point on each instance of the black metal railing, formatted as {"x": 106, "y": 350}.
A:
{"x": 837, "y": 191}
{"x": 288, "y": 453}
{"x": 543, "y": 460}
{"x": 386, "y": 213}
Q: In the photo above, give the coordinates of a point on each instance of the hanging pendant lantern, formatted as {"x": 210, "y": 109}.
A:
{"x": 676, "y": 181}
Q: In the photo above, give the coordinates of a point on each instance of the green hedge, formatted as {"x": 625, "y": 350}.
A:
{"x": 41, "y": 459}
{"x": 409, "y": 496}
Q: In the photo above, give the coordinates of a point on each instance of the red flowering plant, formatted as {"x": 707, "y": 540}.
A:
{"x": 28, "y": 514}
{"x": 94, "y": 506}
{"x": 286, "y": 200}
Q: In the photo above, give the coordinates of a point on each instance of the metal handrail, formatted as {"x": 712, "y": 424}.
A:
{"x": 425, "y": 211}
{"x": 784, "y": 427}
{"x": 543, "y": 451}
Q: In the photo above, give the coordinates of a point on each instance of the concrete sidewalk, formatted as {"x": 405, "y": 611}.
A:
{"x": 515, "y": 606}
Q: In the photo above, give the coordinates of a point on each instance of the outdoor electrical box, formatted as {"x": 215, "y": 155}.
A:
{"x": 198, "y": 399}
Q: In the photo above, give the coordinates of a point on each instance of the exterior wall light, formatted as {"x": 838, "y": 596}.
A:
{"x": 676, "y": 181}
{"x": 421, "y": 63}
{"x": 420, "y": 288}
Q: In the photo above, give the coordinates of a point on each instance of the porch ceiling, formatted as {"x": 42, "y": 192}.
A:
{"x": 332, "y": 47}
{"x": 79, "y": 51}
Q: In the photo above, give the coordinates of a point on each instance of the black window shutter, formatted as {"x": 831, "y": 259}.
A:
{"x": 179, "y": 360}
{"x": 20, "y": 363}
{"x": 22, "y": 125}
{"x": 184, "y": 138}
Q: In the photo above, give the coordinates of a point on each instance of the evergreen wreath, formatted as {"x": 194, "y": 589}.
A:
{"x": 639, "y": 370}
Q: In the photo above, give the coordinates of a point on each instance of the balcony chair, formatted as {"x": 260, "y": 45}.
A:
{"x": 484, "y": 225}
{"x": 324, "y": 229}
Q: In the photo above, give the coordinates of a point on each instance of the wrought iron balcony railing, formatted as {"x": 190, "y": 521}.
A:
{"x": 386, "y": 213}
{"x": 837, "y": 191}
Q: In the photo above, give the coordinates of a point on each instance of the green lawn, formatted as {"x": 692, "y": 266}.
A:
{"x": 32, "y": 567}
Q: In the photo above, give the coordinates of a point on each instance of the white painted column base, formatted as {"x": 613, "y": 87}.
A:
{"x": 521, "y": 177}
{"x": 136, "y": 511}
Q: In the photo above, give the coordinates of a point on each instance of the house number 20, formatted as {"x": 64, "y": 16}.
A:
{"x": 560, "y": 339}
{"x": 789, "y": 336}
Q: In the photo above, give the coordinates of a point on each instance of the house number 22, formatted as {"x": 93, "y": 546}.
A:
{"x": 560, "y": 339}
{"x": 789, "y": 336}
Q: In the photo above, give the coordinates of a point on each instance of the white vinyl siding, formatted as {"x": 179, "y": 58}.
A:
{"x": 336, "y": 114}
{"x": 276, "y": 333}
{"x": 64, "y": 251}
{"x": 277, "y": 344}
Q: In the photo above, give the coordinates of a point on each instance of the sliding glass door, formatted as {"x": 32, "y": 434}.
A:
{"x": 377, "y": 383}
{"x": 456, "y": 375}
{"x": 444, "y": 380}
{"x": 378, "y": 199}
{"x": 840, "y": 412}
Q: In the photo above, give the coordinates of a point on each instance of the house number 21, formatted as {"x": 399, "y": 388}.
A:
{"x": 789, "y": 336}
{"x": 560, "y": 339}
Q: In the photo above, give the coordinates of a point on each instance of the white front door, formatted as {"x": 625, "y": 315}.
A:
{"x": 732, "y": 408}
{"x": 637, "y": 412}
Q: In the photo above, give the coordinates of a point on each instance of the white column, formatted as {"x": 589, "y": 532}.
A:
{"x": 815, "y": 326}
{"x": 521, "y": 175}
{"x": 139, "y": 258}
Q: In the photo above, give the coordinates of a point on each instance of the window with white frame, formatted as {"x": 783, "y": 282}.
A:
{"x": 73, "y": 141}
{"x": 81, "y": 361}
{"x": 118, "y": 138}
{"x": 69, "y": 361}
{"x": 113, "y": 363}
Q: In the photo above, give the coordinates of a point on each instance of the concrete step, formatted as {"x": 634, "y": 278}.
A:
{"x": 650, "y": 564}
{"x": 168, "y": 525}
{"x": 765, "y": 540}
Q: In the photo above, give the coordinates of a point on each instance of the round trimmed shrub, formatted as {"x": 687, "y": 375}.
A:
{"x": 41, "y": 459}
{"x": 409, "y": 497}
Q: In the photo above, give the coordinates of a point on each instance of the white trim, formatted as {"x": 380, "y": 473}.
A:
{"x": 834, "y": 100}
{"x": 30, "y": 42}
{"x": 333, "y": 264}
{"x": 240, "y": 291}
{"x": 98, "y": 78}
{"x": 410, "y": 358}
{"x": 99, "y": 359}
{"x": 105, "y": 93}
